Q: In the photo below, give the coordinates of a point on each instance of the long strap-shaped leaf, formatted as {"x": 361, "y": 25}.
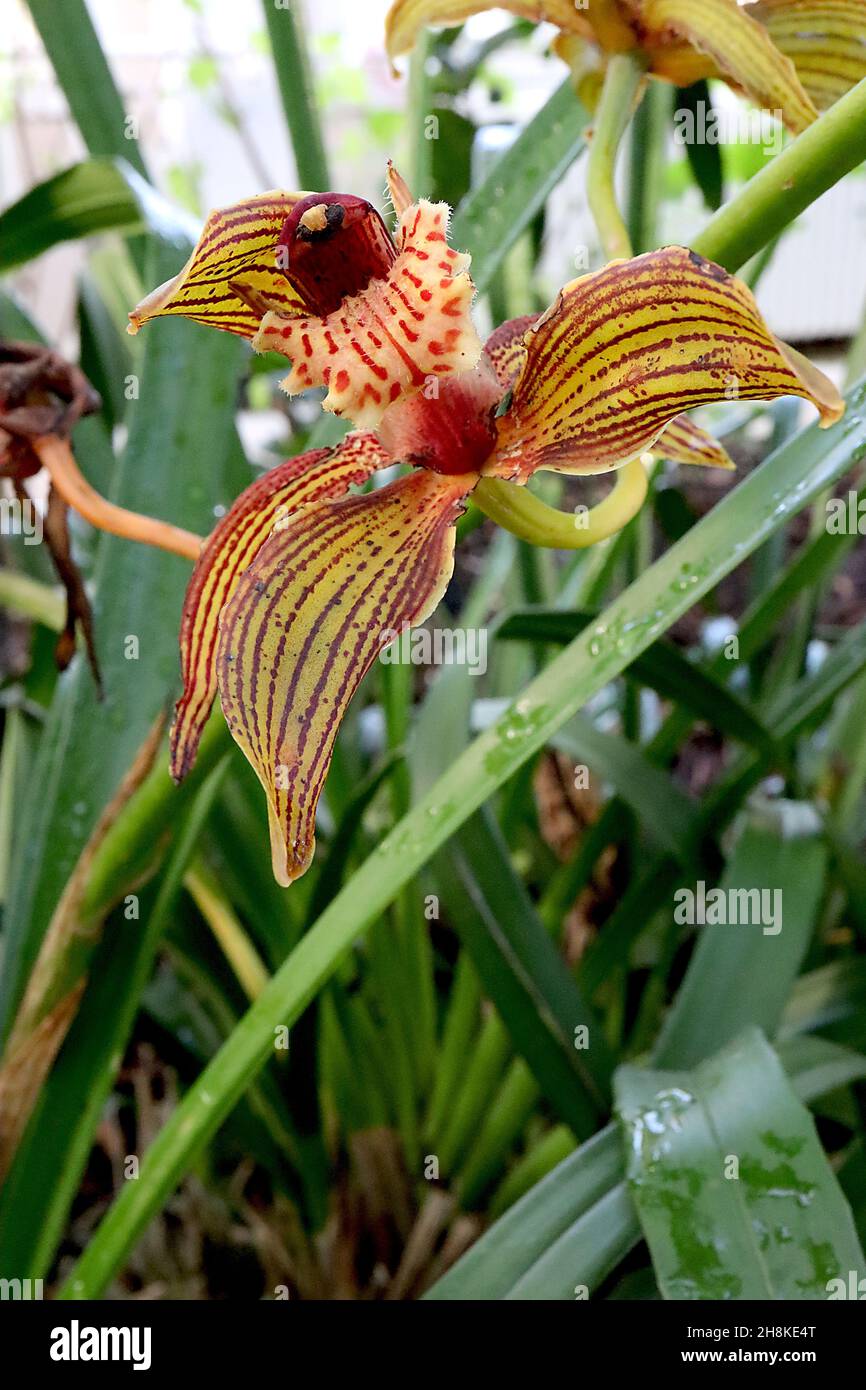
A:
{"x": 742, "y": 972}
{"x": 735, "y": 1194}
{"x": 662, "y": 667}
{"x": 548, "y": 1211}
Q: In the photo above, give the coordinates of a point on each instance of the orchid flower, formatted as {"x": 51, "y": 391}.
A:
{"x": 792, "y": 56}
{"x": 306, "y": 578}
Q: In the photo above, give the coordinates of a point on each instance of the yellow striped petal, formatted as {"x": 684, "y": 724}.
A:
{"x": 386, "y": 341}
{"x": 506, "y": 350}
{"x": 231, "y": 546}
{"x": 682, "y": 441}
{"x": 742, "y": 49}
{"x": 231, "y": 278}
{"x": 825, "y": 39}
{"x": 625, "y": 350}
{"x": 324, "y": 595}
{"x": 406, "y": 18}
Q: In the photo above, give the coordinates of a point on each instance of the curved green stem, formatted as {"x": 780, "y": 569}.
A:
{"x": 622, "y": 81}
{"x": 526, "y": 516}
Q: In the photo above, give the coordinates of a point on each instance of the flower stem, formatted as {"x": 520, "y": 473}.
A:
{"x": 532, "y": 520}
{"x": 514, "y": 508}
{"x": 420, "y": 169}
{"x": 827, "y": 150}
{"x": 55, "y": 456}
{"x": 622, "y": 82}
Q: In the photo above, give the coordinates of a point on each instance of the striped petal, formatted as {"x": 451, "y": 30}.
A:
{"x": 227, "y": 552}
{"x": 231, "y": 278}
{"x": 386, "y": 341}
{"x": 324, "y": 595}
{"x": 682, "y": 441}
{"x": 741, "y": 48}
{"x": 825, "y": 39}
{"x": 624, "y": 351}
{"x": 505, "y": 349}
{"x": 406, "y": 18}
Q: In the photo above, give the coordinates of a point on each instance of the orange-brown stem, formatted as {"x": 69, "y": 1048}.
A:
{"x": 56, "y": 457}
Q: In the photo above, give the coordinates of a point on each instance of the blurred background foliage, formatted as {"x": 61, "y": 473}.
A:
{"x": 436, "y": 1085}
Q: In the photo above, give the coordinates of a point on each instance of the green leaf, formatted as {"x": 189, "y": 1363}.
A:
{"x": 802, "y": 706}
{"x": 286, "y": 29}
{"x": 531, "y": 1227}
{"x": 520, "y": 970}
{"x": 742, "y": 973}
{"x": 667, "y": 814}
{"x": 585, "y": 1254}
{"x": 181, "y": 460}
{"x": 516, "y": 187}
{"x": 705, "y": 159}
{"x": 735, "y": 1195}
{"x": 832, "y": 993}
{"x": 78, "y": 60}
{"x": 97, "y": 195}
{"x": 817, "y": 1066}
{"x": 451, "y": 156}
{"x": 540, "y": 1158}
{"x": 662, "y": 667}
{"x": 815, "y": 561}
{"x": 35, "y": 1199}
{"x": 521, "y": 1239}
{"x": 104, "y": 355}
